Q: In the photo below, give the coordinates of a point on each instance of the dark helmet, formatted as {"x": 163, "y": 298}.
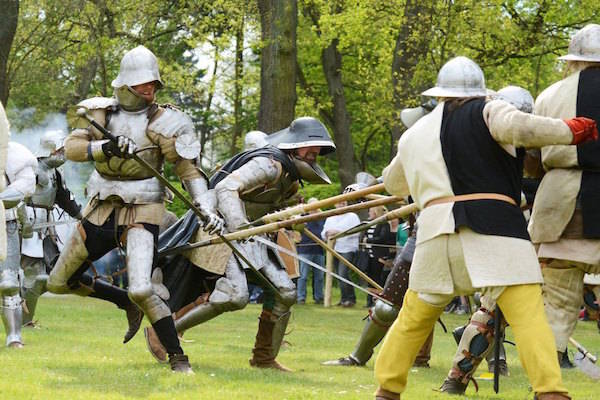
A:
{"x": 305, "y": 132}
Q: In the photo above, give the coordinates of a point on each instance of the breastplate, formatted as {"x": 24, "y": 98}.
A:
{"x": 132, "y": 125}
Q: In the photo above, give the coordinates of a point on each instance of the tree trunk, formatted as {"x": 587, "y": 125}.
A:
{"x": 332, "y": 67}
{"x": 8, "y": 28}
{"x": 279, "y": 19}
{"x": 410, "y": 48}
{"x": 238, "y": 86}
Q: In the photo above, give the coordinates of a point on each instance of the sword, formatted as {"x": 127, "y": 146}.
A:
{"x": 497, "y": 334}
{"x": 275, "y": 246}
{"x": 81, "y": 112}
{"x": 44, "y": 225}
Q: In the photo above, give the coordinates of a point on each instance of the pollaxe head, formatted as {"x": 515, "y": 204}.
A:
{"x": 138, "y": 80}
{"x": 304, "y": 140}
{"x": 459, "y": 77}
{"x": 517, "y": 96}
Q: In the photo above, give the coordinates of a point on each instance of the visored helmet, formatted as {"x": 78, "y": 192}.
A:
{"x": 459, "y": 77}
{"x": 585, "y": 45}
{"x": 138, "y": 66}
{"x": 255, "y": 140}
{"x": 518, "y": 97}
{"x": 303, "y": 132}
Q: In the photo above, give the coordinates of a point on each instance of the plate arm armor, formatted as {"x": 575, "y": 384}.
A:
{"x": 257, "y": 172}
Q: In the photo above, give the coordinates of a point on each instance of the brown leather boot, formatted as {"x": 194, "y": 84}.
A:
{"x": 180, "y": 363}
{"x": 551, "y": 396}
{"x": 154, "y": 345}
{"x": 134, "y": 319}
{"x": 382, "y": 394}
{"x": 263, "y": 346}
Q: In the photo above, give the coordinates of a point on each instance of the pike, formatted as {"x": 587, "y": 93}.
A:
{"x": 281, "y": 249}
{"x": 398, "y": 213}
{"x": 275, "y": 226}
{"x": 81, "y": 112}
{"x": 304, "y": 208}
{"x": 44, "y": 225}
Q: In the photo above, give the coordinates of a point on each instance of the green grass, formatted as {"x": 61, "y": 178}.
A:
{"x": 77, "y": 354}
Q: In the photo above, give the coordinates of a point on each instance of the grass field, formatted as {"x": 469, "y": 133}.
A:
{"x": 77, "y": 354}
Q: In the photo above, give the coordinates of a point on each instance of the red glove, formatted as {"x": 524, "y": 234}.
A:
{"x": 584, "y": 129}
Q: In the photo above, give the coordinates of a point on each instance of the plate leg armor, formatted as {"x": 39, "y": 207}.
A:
{"x": 34, "y": 285}
{"x": 230, "y": 294}
{"x": 476, "y": 342}
{"x": 140, "y": 256}
{"x": 381, "y": 316}
{"x": 74, "y": 254}
{"x": 12, "y": 317}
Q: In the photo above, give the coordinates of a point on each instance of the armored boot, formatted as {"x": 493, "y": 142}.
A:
{"x": 72, "y": 257}
{"x": 382, "y": 394}
{"x": 263, "y": 347}
{"x": 12, "y": 317}
{"x": 31, "y": 296}
{"x": 379, "y": 320}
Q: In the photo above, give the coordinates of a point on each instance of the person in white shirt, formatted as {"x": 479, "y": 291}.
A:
{"x": 347, "y": 246}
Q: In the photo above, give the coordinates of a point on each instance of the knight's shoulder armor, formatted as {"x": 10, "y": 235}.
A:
{"x": 171, "y": 122}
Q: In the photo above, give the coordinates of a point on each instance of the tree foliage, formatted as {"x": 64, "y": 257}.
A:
{"x": 380, "y": 55}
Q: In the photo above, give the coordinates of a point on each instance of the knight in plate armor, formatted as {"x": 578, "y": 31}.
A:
{"x": 250, "y": 185}
{"x": 126, "y": 202}
{"x": 40, "y": 251}
{"x": 20, "y": 177}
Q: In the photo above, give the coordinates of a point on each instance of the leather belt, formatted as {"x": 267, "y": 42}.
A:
{"x": 472, "y": 196}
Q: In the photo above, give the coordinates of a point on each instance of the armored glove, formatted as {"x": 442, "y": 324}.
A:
{"x": 206, "y": 201}
{"x": 101, "y": 150}
{"x": 583, "y": 129}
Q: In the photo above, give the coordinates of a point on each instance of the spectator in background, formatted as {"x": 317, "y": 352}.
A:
{"x": 312, "y": 252}
{"x": 347, "y": 246}
{"x": 378, "y": 240}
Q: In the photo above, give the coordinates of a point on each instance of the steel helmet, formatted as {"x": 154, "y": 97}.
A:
{"x": 459, "y": 77}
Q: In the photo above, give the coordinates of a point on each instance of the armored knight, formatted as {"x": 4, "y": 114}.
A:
{"x": 126, "y": 202}
{"x": 382, "y": 315}
{"x": 462, "y": 165}
{"x": 20, "y": 176}
{"x": 475, "y": 340}
{"x": 250, "y": 185}
{"x": 39, "y": 253}
{"x": 565, "y": 219}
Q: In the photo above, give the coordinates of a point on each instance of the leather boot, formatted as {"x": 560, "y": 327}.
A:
{"x": 134, "y": 319}
{"x": 263, "y": 347}
{"x": 563, "y": 360}
{"x": 382, "y": 394}
{"x": 180, "y": 363}
{"x": 154, "y": 345}
{"x": 551, "y": 396}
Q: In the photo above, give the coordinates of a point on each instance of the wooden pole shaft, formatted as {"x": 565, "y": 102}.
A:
{"x": 347, "y": 263}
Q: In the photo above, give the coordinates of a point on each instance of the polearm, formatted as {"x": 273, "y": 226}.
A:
{"x": 274, "y": 226}
{"x": 106, "y": 133}
{"x": 337, "y": 255}
{"x": 304, "y": 208}
{"x": 398, "y": 213}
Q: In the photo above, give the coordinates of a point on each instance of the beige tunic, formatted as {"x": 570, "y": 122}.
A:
{"x": 419, "y": 169}
{"x": 556, "y": 197}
